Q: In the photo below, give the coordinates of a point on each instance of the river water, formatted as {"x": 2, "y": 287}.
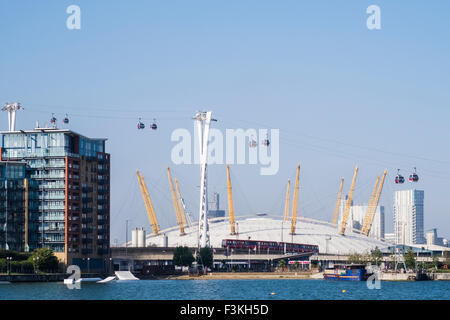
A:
{"x": 284, "y": 289}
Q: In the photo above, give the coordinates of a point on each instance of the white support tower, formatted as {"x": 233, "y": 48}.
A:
{"x": 203, "y": 120}
{"x": 12, "y": 107}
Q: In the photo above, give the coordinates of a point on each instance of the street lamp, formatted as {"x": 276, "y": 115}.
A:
{"x": 36, "y": 263}
{"x": 8, "y": 264}
{"x": 88, "y": 259}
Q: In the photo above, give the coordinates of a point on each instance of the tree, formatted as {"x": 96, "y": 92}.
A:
{"x": 355, "y": 258}
{"x": 296, "y": 265}
{"x": 182, "y": 256}
{"x": 44, "y": 259}
{"x": 15, "y": 255}
{"x": 206, "y": 257}
{"x": 3, "y": 265}
{"x": 281, "y": 264}
{"x": 376, "y": 256}
{"x": 435, "y": 261}
{"x": 410, "y": 259}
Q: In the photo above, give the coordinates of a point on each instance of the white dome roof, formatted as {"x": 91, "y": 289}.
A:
{"x": 308, "y": 231}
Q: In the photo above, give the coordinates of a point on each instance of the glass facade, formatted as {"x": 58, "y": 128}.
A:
{"x": 68, "y": 190}
{"x": 12, "y": 207}
{"x": 50, "y": 144}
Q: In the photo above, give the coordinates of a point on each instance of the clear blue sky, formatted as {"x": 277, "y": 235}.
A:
{"x": 340, "y": 94}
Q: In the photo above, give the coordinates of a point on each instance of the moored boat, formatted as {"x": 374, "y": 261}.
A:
{"x": 350, "y": 272}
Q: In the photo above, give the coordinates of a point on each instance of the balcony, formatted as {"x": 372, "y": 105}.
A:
{"x": 102, "y": 251}
{"x": 102, "y": 160}
{"x": 86, "y": 210}
{"x": 86, "y": 240}
{"x": 86, "y": 230}
{"x": 86, "y": 251}
{"x": 87, "y": 189}
{"x": 103, "y": 201}
{"x": 102, "y": 221}
{"x": 103, "y": 211}
{"x": 74, "y": 218}
{"x": 102, "y": 241}
{"x": 103, "y": 171}
{"x": 86, "y": 220}
{"x": 103, "y": 191}
{"x": 54, "y": 230}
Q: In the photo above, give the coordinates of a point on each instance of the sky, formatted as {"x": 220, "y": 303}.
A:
{"x": 340, "y": 94}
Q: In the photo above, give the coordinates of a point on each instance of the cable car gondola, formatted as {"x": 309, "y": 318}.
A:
{"x": 399, "y": 178}
{"x": 140, "y": 125}
{"x": 66, "y": 119}
{"x": 154, "y": 126}
{"x": 53, "y": 119}
{"x": 253, "y": 143}
{"x": 265, "y": 142}
{"x": 414, "y": 177}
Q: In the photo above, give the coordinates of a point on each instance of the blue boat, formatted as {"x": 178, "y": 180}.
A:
{"x": 349, "y": 272}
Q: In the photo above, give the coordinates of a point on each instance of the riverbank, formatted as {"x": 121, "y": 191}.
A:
{"x": 48, "y": 277}
{"x": 59, "y": 277}
{"x": 246, "y": 276}
{"x": 293, "y": 275}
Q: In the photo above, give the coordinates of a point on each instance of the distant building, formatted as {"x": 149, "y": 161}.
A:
{"x": 57, "y": 195}
{"x": 356, "y": 219}
{"x": 215, "y": 211}
{"x": 409, "y": 217}
{"x": 389, "y": 237}
{"x": 433, "y": 239}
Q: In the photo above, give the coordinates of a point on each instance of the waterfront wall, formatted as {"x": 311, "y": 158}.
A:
{"x": 441, "y": 276}
{"x": 46, "y": 277}
{"x": 385, "y": 276}
{"x": 33, "y": 277}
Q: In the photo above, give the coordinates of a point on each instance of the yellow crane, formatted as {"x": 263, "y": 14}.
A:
{"x": 295, "y": 202}
{"x": 371, "y": 200}
{"x": 180, "y": 204}
{"x": 286, "y": 203}
{"x": 348, "y": 204}
{"x": 368, "y": 218}
{"x": 230, "y": 204}
{"x": 148, "y": 204}
{"x": 338, "y": 204}
{"x": 175, "y": 203}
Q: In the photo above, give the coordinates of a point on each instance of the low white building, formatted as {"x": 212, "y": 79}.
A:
{"x": 356, "y": 218}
